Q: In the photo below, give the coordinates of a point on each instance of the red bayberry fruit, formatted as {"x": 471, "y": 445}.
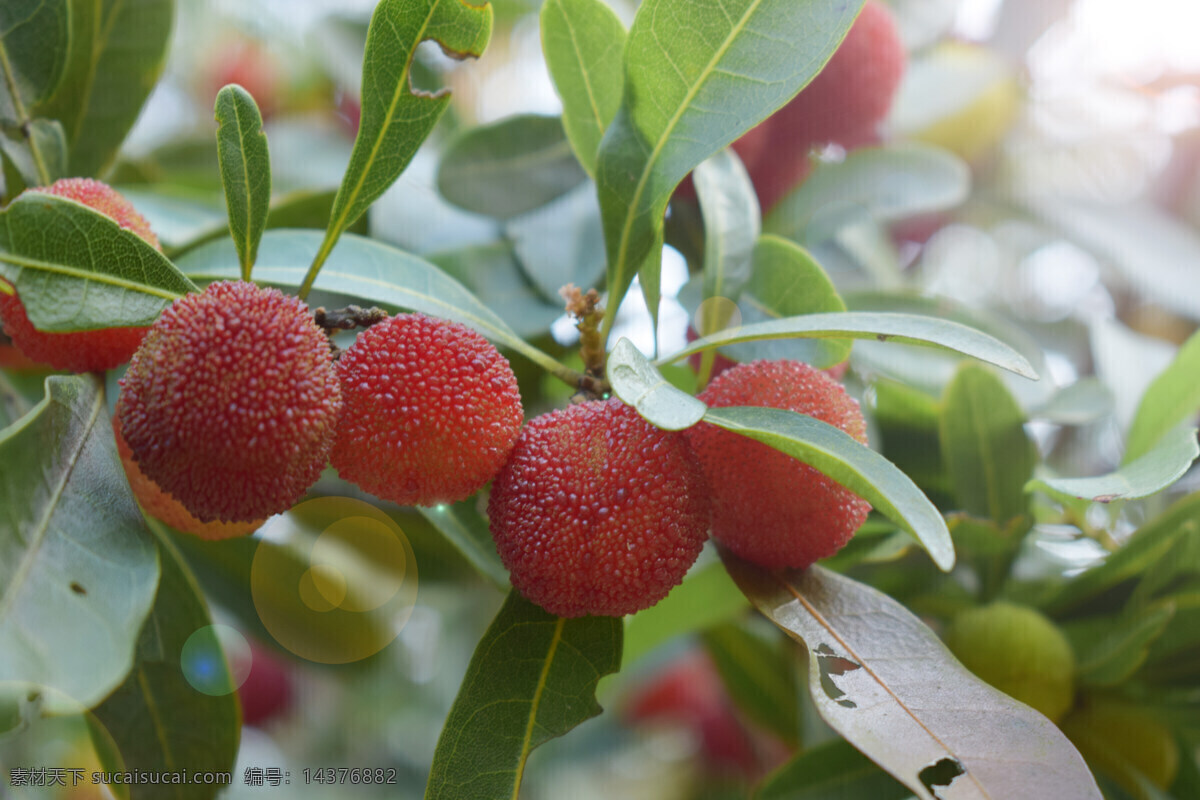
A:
{"x": 267, "y": 691}
{"x": 769, "y": 508}
{"x": 231, "y": 403}
{"x": 597, "y": 511}
{"x": 431, "y": 411}
{"x": 78, "y": 351}
{"x": 167, "y": 509}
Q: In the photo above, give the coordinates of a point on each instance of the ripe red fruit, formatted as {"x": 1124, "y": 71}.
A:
{"x": 231, "y": 403}
{"x": 167, "y": 509}
{"x": 78, "y": 351}
{"x": 431, "y": 411}
{"x": 267, "y": 691}
{"x": 769, "y": 508}
{"x": 597, "y": 511}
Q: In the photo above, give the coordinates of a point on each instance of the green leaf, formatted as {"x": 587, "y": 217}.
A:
{"x": 1148, "y": 475}
{"x": 583, "y": 42}
{"x": 852, "y": 464}
{"x": 907, "y": 420}
{"x": 395, "y": 119}
{"x": 509, "y": 167}
{"x": 987, "y": 453}
{"x": 706, "y": 597}
{"x": 37, "y": 150}
{"x": 635, "y": 380}
{"x": 1077, "y": 403}
{"x": 533, "y": 678}
{"x": 788, "y": 282}
{"x": 760, "y": 676}
{"x": 365, "y": 269}
{"x": 118, "y": 49}
{"x": 1123, "y": 646}
{"x": 466, "y": 529}
{"x": 1170, "y": 399}
{"x": 33, "y": 50}
{"x": 158, "y": 721}
{"x": 245, "y": 170}
{"x": 76, "y": 269}
{"x": 834, "y": 770}
{"x": 697, "y": 76}
{"x": 881, "y": 326}
{"x": 885, "y": 682}
{"x": 873, "y": 183}
{"x": 732, "y": 222}
{"x": 562, "y": 242}
{"x": 77, "y": 568}
{"x": 1144, "y": 549}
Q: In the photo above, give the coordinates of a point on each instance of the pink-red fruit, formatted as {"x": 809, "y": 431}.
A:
{"x": 431, "y": 411}
{"x": 231, "y": 403}
{"x": 769, "y": 508}
{"x": 78, "y": 351}
{"x": 597, "y": 511}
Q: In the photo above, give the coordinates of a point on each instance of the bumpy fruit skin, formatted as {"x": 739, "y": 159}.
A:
{"x": 78, "y": 351}
{"x": 1123, "y": 741}
{"x": 597, "y": 512}
{"x": 1020, "y": 652}
{"x": 769, "y": 508}
{"x": 431, "y": 411}
{"x": 231, "y": 403}
{"x": 167, "y": 509}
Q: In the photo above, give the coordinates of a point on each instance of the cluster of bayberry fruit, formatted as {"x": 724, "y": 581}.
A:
{"x": 233, "y": 404}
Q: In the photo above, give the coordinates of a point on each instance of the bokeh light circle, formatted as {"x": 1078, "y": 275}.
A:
{"x": 716, "y": 314}
{"x": 215, "y": 660}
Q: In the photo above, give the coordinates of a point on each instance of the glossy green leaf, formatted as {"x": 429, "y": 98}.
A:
{"x": 706, "y": 597}
{"x": 77, "y": 269}
{"x": 849, "y": 462}
{"x": 158, "y": 721}
{"x": 635, "y": 380}
{"x": 1171, "y": 399}
{"x": 760, "y": 676}
{"x": 831, "y": 771}
{"x": 987, "y": 453}
{"x": 245, "y": 170}
{"x": 33, "y": 49}
{"x": 885, "y": 682}
{"x": 907, "y": 420}
{"x": 509, "y": 167}
{"x": 732, "y": 222}
{"x": 395, "y": 120}
{"x": 466, "y": 529}
{"x": 1123, "y": 646}
{"x": 118, "y": 49}
{"x": 365, "y": 269}
{"x": 697, "y": 76}
{"x": 881, "y": 326}
{"x": 37, "y": 150}
{"x": 583, "y": 42}
{"x": 788, "y": 282}
{"x": 873, "y": 183}
{"x": 562, "y": 242}
{"x": 1144, "y": 549}
{"x": 1149, "y": 474}
{"x": 78, "y": 569}
{"x": 533, "y": 678}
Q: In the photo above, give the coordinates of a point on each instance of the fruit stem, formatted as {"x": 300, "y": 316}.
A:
{"x": 589, "y": 316}
{"x": 348, "y": 318}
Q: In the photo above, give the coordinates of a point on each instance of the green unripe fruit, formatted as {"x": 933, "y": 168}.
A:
{"x": 1020, "y": 652}
{"x": 1123, "y": 742}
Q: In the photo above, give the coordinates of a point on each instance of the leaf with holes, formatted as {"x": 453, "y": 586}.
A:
{"x": 697, "y": 76}
{"x": 885, "y": 682}
{"x": 533, "y": 678}
{"x": 76, "y": 269}
{"x": 245, "y": 170}
{"x": 78, "y": 569}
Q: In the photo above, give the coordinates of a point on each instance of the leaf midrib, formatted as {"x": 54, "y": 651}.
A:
{"x": 539, "y": 690}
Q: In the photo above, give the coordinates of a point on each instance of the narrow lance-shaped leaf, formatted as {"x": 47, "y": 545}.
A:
{"x": 78, "y": 569}
{"x": 1149, "y": 474}
{"x": 76, "y": 269}
{"x": 583, "y": 42}
{"x": 849, "y": 462}
{"x": 880, "y": 325}
{"x": 157, "y": 719}
{"x": 245, "y": 170}
{"x": 34, "y": 38}
{"x": 987, "y": 453}
{"x": 118, "y": 49}
{"x": 1169, "y": 400}
{"x": 638, "y": 383}
{"x": 395, "y": 119}
{"x": 533, "y": 678}
{"x": 884, "y": 680}
{"x": 697, "y": 76}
